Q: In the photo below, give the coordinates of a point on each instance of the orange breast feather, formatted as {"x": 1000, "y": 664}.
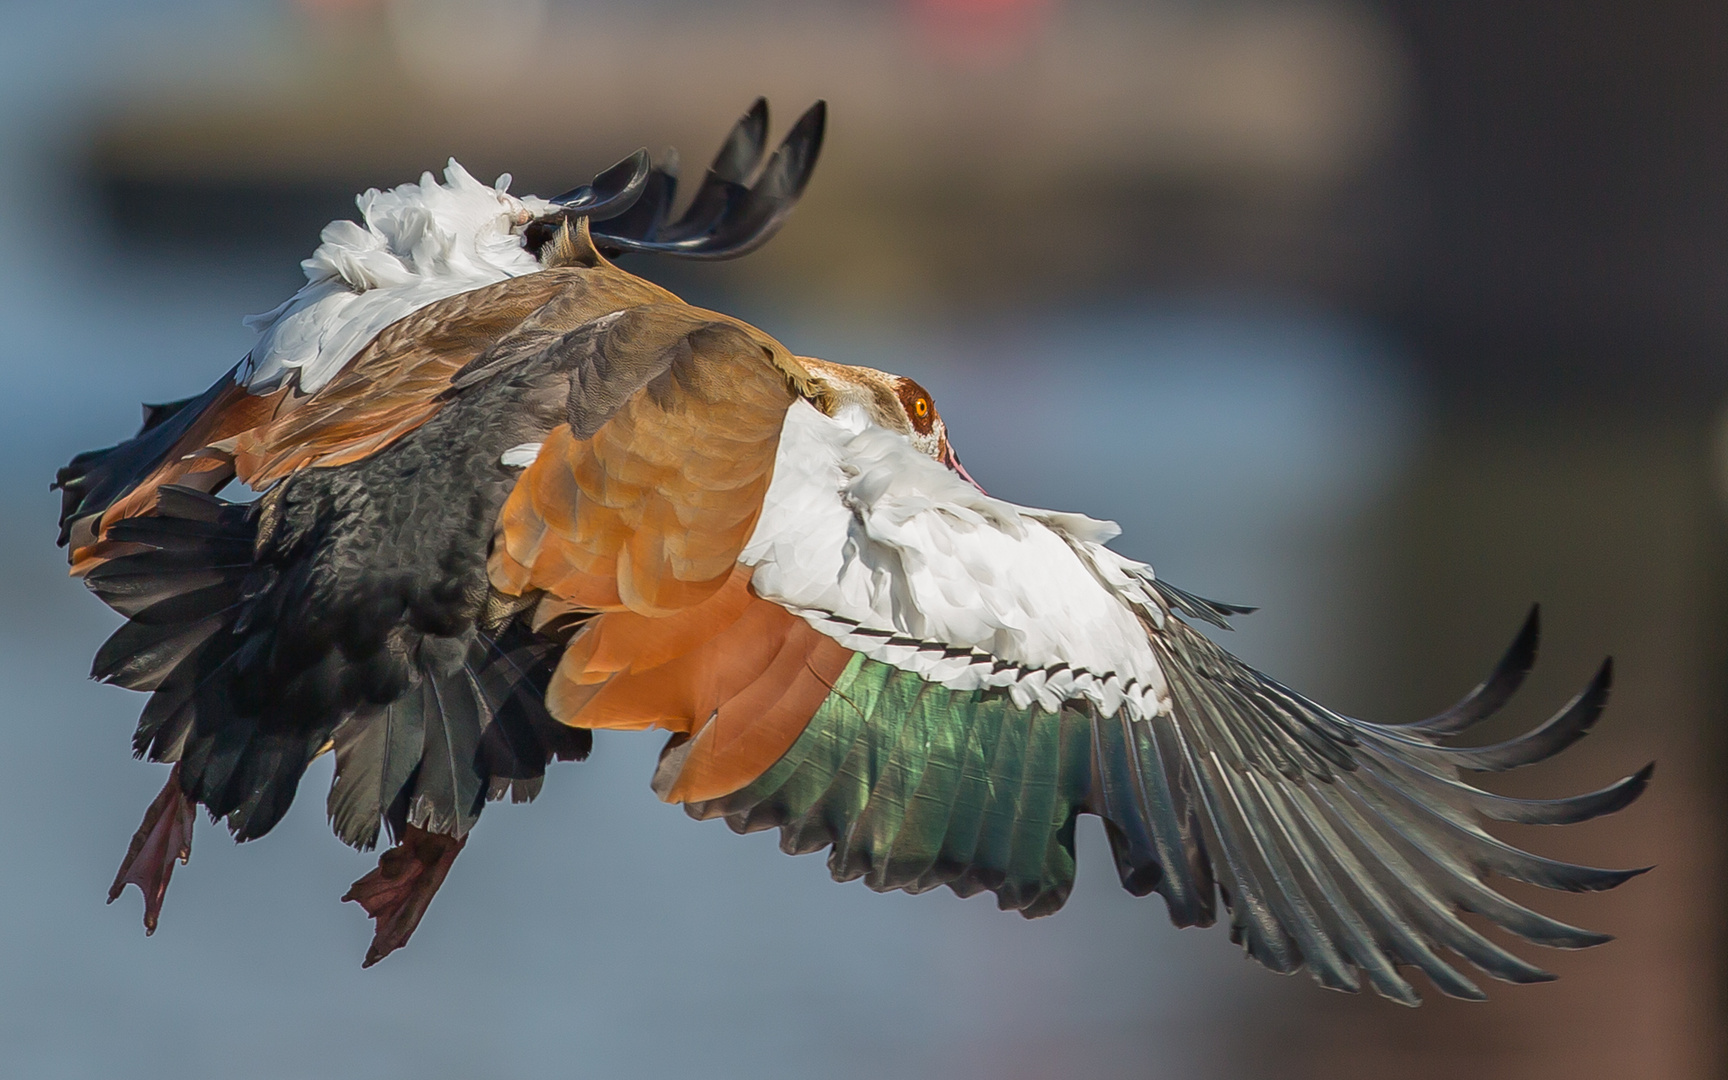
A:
{"x": 738, "y": 675}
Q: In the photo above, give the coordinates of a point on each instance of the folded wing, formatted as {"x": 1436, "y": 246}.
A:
{"x": 433, "y": 275}
{"x": 638, "y": 517}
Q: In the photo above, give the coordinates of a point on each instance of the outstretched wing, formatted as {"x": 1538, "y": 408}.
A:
{"x": 962, "y": 678}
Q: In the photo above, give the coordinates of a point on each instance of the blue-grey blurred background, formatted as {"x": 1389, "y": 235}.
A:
{"x": 1390, "y": 317}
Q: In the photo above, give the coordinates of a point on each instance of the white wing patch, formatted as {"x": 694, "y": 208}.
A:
{"x": 420, "y": 243}
{"x": 894, "y": 556}
{"x": 520, "y": 457}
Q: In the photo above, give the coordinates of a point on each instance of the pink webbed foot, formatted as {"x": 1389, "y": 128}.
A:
{"x": 398, "y": 892}
{"x": 165, "y": 835}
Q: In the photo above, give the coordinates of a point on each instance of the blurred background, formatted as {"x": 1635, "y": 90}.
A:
{"x": 1390, "y": 317}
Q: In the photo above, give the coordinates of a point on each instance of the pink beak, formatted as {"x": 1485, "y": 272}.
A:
{"x": 952, "y": 460}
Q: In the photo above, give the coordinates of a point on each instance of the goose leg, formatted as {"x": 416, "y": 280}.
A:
{"x": 165, "y": 835}
{"x": 397, "y": 893}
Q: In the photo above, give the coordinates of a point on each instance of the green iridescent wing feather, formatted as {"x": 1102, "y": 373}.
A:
{"x": 1347, "y": 847}
{"x": 914, "y": 786}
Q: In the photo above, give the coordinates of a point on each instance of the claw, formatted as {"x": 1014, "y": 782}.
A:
{"x": 165, "y": 835}
{"x": 399, "y": 891}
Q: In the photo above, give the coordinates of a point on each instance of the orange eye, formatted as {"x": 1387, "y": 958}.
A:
{"x": 921, "y": 408}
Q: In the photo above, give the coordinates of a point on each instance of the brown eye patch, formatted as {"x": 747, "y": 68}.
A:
{"x": 919, "y": 408}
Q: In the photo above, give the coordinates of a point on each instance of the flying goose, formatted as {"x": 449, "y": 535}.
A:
{"x": 510, "y": 493}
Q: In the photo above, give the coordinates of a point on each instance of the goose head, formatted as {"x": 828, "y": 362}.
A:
{"x": 895, "y": 402}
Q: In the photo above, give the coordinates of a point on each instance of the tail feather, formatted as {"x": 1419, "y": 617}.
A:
{"x": 513, "y": 671}
{"x": 377, "y": 753}
{"x": 263, "y": 781}
{"x": 140, "y": 656}
{"x": 132, "y": 594}
{"x": 244, "y": 706}
{"x": 449, "y": 791}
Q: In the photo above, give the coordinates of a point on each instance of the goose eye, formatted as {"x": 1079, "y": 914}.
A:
{"x": 921, "y": 408}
